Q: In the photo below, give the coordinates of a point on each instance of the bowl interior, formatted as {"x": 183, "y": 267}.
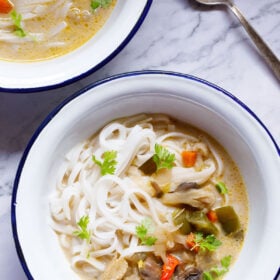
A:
{"x": 122, "y": 24}
{"x": 186, "y": 99}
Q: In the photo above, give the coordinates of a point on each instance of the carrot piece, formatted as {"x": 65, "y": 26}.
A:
{"x": 212, "y": 216}
{"x": 189, "y": 158}
{"x": 169, "y": 267}
{"x": 5, "y": 6}
{"x": 192, "y": 245}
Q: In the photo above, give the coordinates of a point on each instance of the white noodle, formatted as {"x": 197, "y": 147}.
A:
{"x": 118, "y": 203}
{"x": 34, "y": 10}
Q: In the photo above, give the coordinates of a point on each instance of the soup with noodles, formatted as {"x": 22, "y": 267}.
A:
{"x": 149, "y": 197}
{"x": 37, "y": 30}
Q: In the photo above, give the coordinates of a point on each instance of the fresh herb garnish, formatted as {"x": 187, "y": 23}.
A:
{"x": 163, "y": 158}
{"x": 83, "y": 232}
{"x": 143, "y": 231}
{"x": 210, "y": 242}
{"x": 95, "y": 4}
{"x": 216, "y": 271}
{"x": 222, "y": 188}
{"x": 16, "y": 18}
{"x": 108, "y": 166}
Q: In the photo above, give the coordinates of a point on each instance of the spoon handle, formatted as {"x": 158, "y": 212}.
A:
{"x": 265, "y": 51}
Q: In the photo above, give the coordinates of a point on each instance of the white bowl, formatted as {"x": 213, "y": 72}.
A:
{"x": 186, "y": 98}
{"x": 122, "y": 25}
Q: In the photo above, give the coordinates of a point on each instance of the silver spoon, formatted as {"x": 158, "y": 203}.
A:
{"x": 270, "y": 58}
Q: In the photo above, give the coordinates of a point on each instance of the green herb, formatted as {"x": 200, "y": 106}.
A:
{"x": 207, "y": 276}
{"x": 95, "y": 4}
{"x": 83, "y": 232}
{"x": 210, "y": 242}
{"x": 143, "y": 231}
{"x": 108, "y": 166}
{"x": 16, "y": 18}
{"x": 163, "y": 158}
{"x": 216, "y": 271}
{"x": 222, "y": 188}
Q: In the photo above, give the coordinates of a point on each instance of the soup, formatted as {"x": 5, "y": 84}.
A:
{"x": 149, "y": 197}
{"x": 38, "y": 30}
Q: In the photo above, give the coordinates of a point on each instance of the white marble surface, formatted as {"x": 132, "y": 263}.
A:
{"x": 177, "y": 35}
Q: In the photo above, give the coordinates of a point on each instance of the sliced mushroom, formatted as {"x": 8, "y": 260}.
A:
{"x": 185, "y": 272}
{"x": 186, "y": 186}
{"x": 148, "y": 167}
{"x": 115, "y": 270}
{"x": 150, "y": 269}
{"x": 157, "y": 189}
{"x": 197, "y": 198}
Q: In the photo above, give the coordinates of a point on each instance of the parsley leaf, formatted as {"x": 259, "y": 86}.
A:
{"x": 210, "y": 242}
{"x": 143, "y": 230}
{"x": 225, "y": 262}
{"x": 83, "y": 233}
{"x": 108, "y": 166}
{"x": 216, "y": 271}
{"x": 222, "y": 188}
{"x": 163, "y": 158}
{"x": 16, "y": 18}
{"x": 95, "y": 4}
{"x": 207, "y": 276}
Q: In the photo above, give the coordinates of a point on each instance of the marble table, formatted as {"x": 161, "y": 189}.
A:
{"x": 177, "y": 35}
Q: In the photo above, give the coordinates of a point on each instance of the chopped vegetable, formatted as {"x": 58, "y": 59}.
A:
{"x": 201, "y": 223}
{"x": 192, "y": 245}
{"x": 212, "y": 216}
{"x": 143, "y": 231}
{"x": 83, "y": 232}
{"x": 163, "y": 158}
{"x": 180, "y": 217}
{"x": 222, "y": 188}
{"x": 216, "y": 271}
{"x": 193, "y": 220}
{"x": 228, "y": 219}
{"x": 197, "y": 241}
{"x": 189, "y": 158}
{"x": 6, "y": 6}
{"x": 169, "y": 267}
{"x": 108, "y": 166}
{"x": 16, "y": 18}
{"x": 149, "y": 167}
{"x": 95, "y": 4}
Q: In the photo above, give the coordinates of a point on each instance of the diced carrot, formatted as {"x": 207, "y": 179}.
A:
{"x": 189, "y": 158}
{"x": 169, "y": 267}
{"x": 190, "y": 241}
{"x": 212, "y": 216}
{"x": 6, "y": 6}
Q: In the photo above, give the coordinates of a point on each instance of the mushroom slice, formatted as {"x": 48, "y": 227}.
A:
{"x": 197, "y": 198}
{"x": 186, "y": 186}
{"x": 187, "y": 273}
{"x": 150, "y": 269}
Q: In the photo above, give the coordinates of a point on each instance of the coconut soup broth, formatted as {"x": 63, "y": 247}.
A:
{"x": 52, "y": 28}
{"x": 200, "y": 261}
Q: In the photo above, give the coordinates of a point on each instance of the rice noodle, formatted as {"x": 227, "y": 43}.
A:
{"x": 34, "y": 10}
{"x": 117, "y": 203}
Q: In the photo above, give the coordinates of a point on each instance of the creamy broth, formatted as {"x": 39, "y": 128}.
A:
{"x": 113, "y": 208}
{"x": 51, "y": 32}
